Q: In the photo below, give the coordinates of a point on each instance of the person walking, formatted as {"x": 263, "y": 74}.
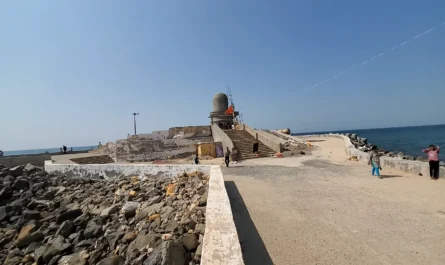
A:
{"x": 197, "y": 160}
{"x": 374, "y": 160}
{"x": 64, "y": 149}
{"x": 227, "y": 157}
{"x": 433, "y": 158}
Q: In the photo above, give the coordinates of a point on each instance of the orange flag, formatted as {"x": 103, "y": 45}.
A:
{"x": 229, "y": 111}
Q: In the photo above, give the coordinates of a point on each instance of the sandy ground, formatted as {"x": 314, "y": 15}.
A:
{"x": 324, "y": 209}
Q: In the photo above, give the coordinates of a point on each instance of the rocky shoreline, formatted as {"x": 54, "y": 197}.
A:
{"x": 48, "y": 219}
{"x": 362, "y": 144}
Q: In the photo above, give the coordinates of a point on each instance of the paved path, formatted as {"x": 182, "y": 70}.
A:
{"x": 321, "y": 209}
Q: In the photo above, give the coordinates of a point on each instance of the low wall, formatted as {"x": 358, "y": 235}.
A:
{"x": 408, "y": 166}
{"x": 221, "y": 243}
{"x": 149, "y": 150}
{"x": 220, "y": 136}
{"x": 190, "y": 131}
{"x": 267, "y": 139}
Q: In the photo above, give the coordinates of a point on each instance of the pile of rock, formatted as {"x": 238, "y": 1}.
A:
{"x": 47, "y": 219}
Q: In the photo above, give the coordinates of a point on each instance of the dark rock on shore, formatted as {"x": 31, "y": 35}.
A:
{"x": 46, "y": 219}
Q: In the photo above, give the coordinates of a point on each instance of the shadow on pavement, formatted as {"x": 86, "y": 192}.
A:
{"x": 252, "y": 246}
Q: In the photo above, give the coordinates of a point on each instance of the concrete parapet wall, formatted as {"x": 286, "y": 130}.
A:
{"x": 221, "y": 243}
{"x": 220, "y": 136}
{"x": 267, "y": 139}
{"x": 190, "y": 131}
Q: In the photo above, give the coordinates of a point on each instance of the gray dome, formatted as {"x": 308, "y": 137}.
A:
{"x": 220, "y": 102}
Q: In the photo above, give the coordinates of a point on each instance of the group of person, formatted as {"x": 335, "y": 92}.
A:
{"x": 64, "y": 149}
{"x": 433, "y": 160}
{"x": 228, "y": 155}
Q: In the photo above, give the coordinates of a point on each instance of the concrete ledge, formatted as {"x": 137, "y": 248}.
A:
{"x": 220, "y": 136}
{"x": 221, "y": 244}
{"x": 120, "y": 170}
{"x": 267, "y": 139}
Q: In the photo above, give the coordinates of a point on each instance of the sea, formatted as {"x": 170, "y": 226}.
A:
{"x": 409, "y": 140}
{"x": 45, "y": 150}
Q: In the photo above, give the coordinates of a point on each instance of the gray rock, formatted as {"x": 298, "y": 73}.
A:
{"x": 5, "y": 193}
{"x": 110, "y": 210}
{"x": 200, "y": 228}
{"x": 190, "y": 242}
{"x": 129, "y": 209}
{"x": 78, "y": 258}
{"x": 65, "y": 229}
{"x": 20, "y": 184}
{"x": 155, "y": 208}
{"x": 172, "y": 225}
{"x": 113, "y": 260}
{"x": 144, "y": 240}
{"x": 31, "y": 168}
{"x": 16, "y": 171}
{"x": 3, "y": 213}
{"x": 154, "y": 200}
{"x": 29, "y": 215}
{"x": 92, "y": 230}
{"x": 32, "y": 247}
{"x": 113, "y": 239}
{"x": 353, "y": 136}
{"x": 166, "y": 212}
{"x": 54, "y": 248}
{"x": 68, "y": 215}
{"x": 169, "y": 253}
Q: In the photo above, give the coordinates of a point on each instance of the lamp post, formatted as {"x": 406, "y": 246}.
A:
{"x": 134, "y": 120}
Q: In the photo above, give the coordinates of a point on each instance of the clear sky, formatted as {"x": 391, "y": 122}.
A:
{"x": 72, "y": 72}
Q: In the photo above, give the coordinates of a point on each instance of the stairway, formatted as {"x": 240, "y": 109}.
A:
{"x": 244, "y": 142}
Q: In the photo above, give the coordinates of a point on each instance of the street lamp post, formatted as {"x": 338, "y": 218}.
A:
{"x": 134, "y": 120}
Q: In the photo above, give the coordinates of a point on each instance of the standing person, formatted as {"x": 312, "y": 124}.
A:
{"x": 64, "y": 149}
{"x": 433, "y": 158}
{"x": 100, "y": 145}
{"x": 197, "y": 160}
{"x": 374, "y": 160}
{"x": 227, "y": 157}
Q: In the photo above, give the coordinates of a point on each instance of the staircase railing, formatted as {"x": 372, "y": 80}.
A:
{"x": 220, "y": 136}
{"x": 268, "y": 140}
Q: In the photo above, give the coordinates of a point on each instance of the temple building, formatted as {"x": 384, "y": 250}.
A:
{"x": 223, "y": 115}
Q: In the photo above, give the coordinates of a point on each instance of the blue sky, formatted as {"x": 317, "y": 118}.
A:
{"x": 72, "y": 72}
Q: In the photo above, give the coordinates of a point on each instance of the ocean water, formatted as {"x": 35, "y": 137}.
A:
{"x": 409, "y": 140}
{"x": 45, "y": 150}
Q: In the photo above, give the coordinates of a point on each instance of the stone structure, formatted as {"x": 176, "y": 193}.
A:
{"x": 218, "y": 115}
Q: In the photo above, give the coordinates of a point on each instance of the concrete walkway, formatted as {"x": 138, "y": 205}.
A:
{"x": 323, "y": 209}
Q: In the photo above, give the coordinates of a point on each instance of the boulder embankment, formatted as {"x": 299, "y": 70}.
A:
{"x": 49, "y": 219}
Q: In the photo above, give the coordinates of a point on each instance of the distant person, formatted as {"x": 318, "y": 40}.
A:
{"x": 61, "y": 150}
{"x": 197, "y": 160}
{"x": 227, "y": 157}
{"x": 433, "y": 158}
{"x": 64, "y": 149}
{"x": 256, "y": 145}
{"x": 374, "y": 161}
{"x": 71, "y": 150}
{"x": 100, "y": 145}
{"x": 1, "y": 153}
